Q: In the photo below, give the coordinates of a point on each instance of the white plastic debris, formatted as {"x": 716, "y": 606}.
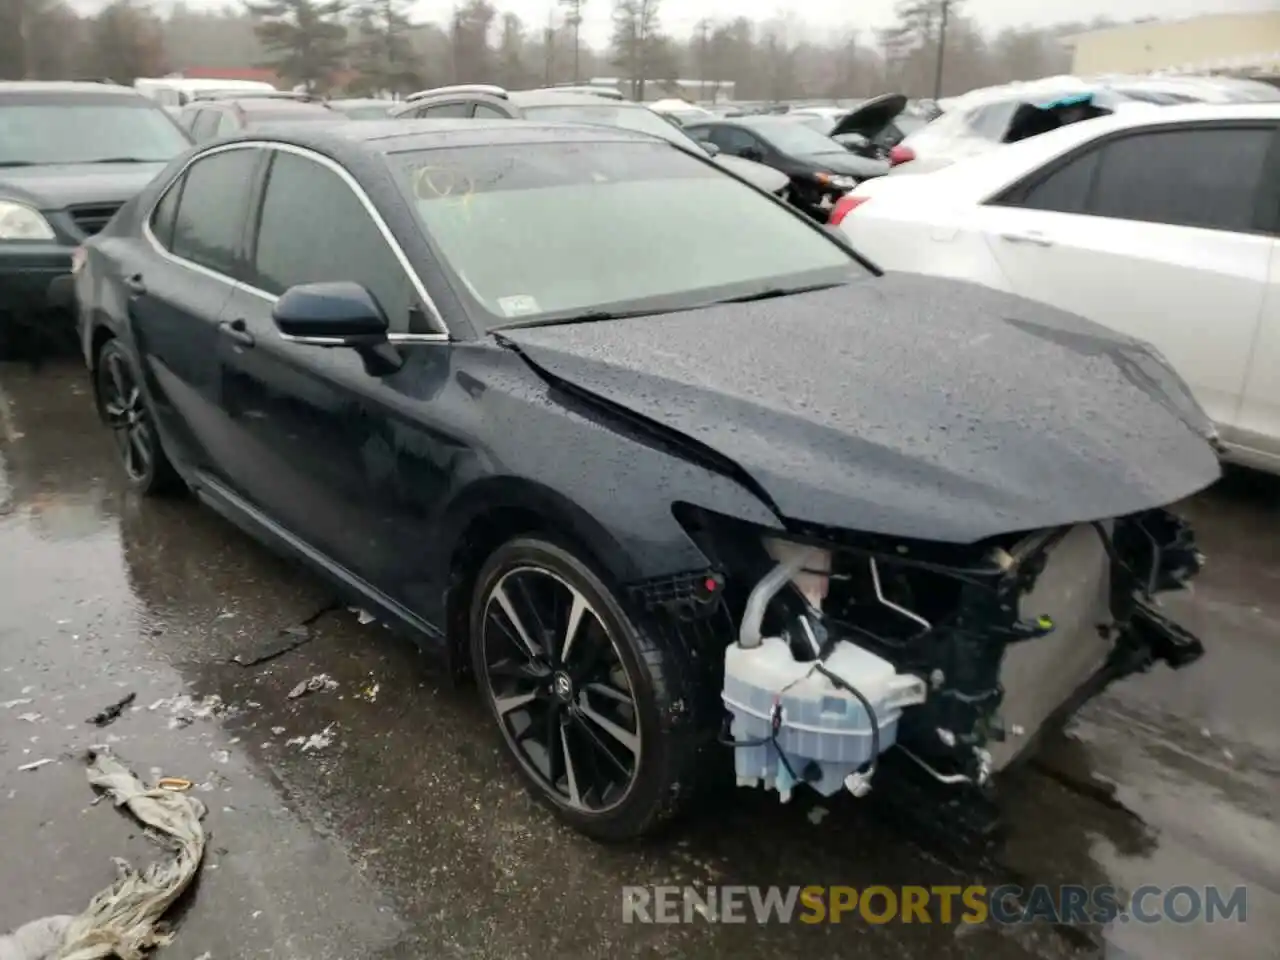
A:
{"x": 37, "y": 764}
{"x": 321, "y": 681}
{"x": 317, "y": 741}
{"x": 121, "y": 920}
{"x": 20, "y": 702}
{"x": 30, "y": 717}
{"x": 362, "y": 616}
{"x": 37, "y": 940}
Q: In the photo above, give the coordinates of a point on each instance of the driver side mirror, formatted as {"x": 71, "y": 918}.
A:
{"x": 751, "y": 153}
{"x": 711, "y": 148}
{"x": 338, "y": 314}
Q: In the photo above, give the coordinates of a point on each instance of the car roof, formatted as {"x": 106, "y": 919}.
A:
{"x": 554, "y": 98}
{"x": 254, "y": 104}
{"x": 66, "y": 86}
{"x": 756, "y": 120}
{"x": 400, "y": 136}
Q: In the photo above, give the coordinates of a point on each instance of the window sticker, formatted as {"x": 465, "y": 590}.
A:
{"x": 519, "y": 306}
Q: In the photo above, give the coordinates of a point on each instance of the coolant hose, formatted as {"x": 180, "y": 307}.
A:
{"x": 753, "y": 616}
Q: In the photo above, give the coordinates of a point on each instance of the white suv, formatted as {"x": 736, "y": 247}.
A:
{"x": 1162, "y": 225}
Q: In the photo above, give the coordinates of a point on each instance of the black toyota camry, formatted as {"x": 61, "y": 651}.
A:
{"x": 672, "y": 500}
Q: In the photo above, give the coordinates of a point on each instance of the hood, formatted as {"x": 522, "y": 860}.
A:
{"x": 759, "y": 175}
{"x": 873, "y": 116}
{"x": 66, "y": 185}
{"x": 905, "y": 405}
{"x": 842, "y": 161}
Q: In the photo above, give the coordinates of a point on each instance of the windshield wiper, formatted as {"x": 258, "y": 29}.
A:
{"x": 771, "y": 293}
{"x": 590, "y": 316}
{"x": 123, "y": 160}
{"x": 18, "y": 163}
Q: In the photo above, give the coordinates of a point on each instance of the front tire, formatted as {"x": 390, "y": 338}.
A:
{"x": 125, "y": 410}
{"x": 589, "y": 706}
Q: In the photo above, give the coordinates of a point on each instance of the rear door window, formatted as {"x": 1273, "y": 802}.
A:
{"x": 735, "y": 140}
{"x": 227, "y": 125}
{"x": 991, "y": 122}
{"x": 163, "y": 216}
{"x": 455, "y": 108}
{"x": 204, "y": 125}
{"x": 1201, "y": 177}
{"x": 313, "y": 228}
{"x": 209, "y": 227}
{"x": 486, "y": 112}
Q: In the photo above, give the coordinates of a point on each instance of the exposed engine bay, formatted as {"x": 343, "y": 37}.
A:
{"x": 940, "y": 662}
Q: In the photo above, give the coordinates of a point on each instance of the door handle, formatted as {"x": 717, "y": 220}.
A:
{"x": 1032, "y": 237}
{"x": 236, "y": 332}
{"x": 135, "y": 284}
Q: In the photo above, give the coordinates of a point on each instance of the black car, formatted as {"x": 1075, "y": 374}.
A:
{"x": 878, "y": 125}
{"x": 208, "y": 118}
{"x": 821, "y": 170}
{"x": 488, "y": 102}
{"x": 492, "y": 380}
{"x": 70, "y": 155}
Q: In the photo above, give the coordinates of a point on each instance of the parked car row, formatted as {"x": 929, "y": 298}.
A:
{"x": 71, "y": 154}
{"x": 1162, "y": 224}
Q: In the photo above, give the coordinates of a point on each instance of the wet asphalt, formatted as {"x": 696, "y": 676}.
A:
{"x": 405, "y": 834}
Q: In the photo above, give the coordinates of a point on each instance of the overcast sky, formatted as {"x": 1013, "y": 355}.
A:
{"x": 826, "y": 17}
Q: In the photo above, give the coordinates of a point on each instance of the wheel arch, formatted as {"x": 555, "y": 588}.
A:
{"x": 497, "y": 509}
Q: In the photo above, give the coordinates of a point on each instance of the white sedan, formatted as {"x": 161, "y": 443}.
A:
{"x": 1162, "y": 225}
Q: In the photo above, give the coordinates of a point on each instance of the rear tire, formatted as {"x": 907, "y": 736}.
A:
{"x": 118, "y": 390}
{"x": 594, "y": 715}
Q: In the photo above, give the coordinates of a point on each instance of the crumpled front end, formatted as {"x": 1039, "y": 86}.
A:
{"x": 864, "y": 662}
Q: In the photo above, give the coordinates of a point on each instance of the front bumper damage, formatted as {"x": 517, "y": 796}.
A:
{"x": 926, "y": 669}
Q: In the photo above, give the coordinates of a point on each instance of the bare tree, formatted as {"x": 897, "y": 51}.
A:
{"x": 47, "y": 39}
{"x": 305, "y": 40}
{"x": 383, "y": 56}
{"x": 638, "y": 44}
{"x": 41, "y": 41}
{"x": 211, "y": 38}
{"x": 13, "y": 38}
{"x": 514, "y": 72}
{"x": 470, "y": 34}
{"x": 123, "y": 42}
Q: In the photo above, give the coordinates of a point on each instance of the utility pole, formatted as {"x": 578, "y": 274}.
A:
{"x": 942, "y": 48}
{"x": 550, "y": 44}
{"x": 703, "y": 29}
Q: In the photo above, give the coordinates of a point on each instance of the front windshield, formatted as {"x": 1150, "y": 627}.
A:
{"x": 796, "y": 138}
{"x": 42, "y": 130}
{"x": 820, "y": 125}
{"x": 540, "y": 231}
{"x": 609, "y": 114}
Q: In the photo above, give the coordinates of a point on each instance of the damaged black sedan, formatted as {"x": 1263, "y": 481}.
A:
{"x": 672, "y": 471}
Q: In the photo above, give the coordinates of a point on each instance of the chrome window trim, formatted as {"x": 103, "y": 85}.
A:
{"x": 414, "y": 279}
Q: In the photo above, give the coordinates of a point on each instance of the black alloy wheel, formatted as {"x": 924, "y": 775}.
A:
{"x": 582, "y": 698}
{"x": 125, "y": 410}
